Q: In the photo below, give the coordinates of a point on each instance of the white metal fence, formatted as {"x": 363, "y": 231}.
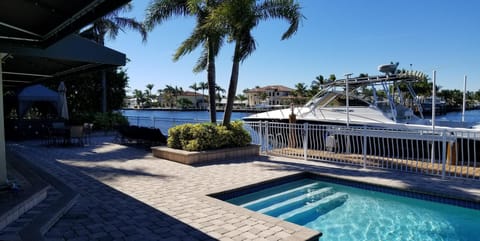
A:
{"x": 443, "y": 151}
{"x": 161, "y": 123}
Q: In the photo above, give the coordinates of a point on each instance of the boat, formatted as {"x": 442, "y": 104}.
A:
{"x": 381, "y": 110}
{"x": 440, "y": 105}
{"x": 387, "y": 100}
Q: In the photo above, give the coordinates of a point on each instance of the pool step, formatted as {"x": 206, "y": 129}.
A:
{"x": 313, "y": 210}
{"x": 297, "y": 202}
{"x": 279, "y": 197}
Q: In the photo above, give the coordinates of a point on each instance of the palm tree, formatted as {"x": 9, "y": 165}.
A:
{"x": 168, "y": 94}
{"x": 219, "y": 90}
{"x": 140, "y": 97}
{"x": 316, "y": 85}
{"x": 210, "y": 38}
{"x": 300, "y": 89}
{"x": 195, "y": 88}
{"x": 203, "y": 86}
{"x": 332, "y": 78}
{"x": 160, "y": 95}
{"x": 239, "y": 18}
{"x": 149, "y": 94}
{"x": 177, "y": 91}
{"x": 110, "y": 25}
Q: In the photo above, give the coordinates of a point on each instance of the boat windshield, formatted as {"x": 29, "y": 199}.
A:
{"x": 337, "y": 99}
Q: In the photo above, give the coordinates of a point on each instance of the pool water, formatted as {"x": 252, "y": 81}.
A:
{"x": 348, "y": 213}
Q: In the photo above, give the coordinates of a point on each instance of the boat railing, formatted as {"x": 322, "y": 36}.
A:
{"x": 444, "y": 152}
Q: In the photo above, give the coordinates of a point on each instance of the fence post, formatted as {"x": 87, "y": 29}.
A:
{"x": 444, "y": 151}
{"x": 305, "y": 140}
{"x": 260, "y": 135}
{"x": 266, "y": 137}
{"x": 364, "y": 147}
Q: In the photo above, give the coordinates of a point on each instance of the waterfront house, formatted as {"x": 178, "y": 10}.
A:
{"x": 272, "y": 95}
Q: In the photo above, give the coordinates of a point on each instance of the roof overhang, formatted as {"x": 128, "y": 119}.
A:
{"x": 42, "y": 23}
{"x": 27, "y": 65}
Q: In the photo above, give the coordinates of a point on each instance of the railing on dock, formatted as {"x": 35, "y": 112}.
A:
{"x": 442, "y": 151}
{"x": 161, "y": 123}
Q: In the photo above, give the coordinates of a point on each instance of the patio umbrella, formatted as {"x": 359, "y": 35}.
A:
{"x": 62, "y": 102}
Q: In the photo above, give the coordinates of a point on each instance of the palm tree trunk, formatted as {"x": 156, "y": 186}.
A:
{"x": 211, "y": 84}
{"x": 232, "y": 88}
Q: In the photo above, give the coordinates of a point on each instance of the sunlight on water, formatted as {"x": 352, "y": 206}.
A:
{"x": 347, "y": 213}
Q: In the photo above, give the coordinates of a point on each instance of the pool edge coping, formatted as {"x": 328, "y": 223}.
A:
{"x": 304, "y": 233}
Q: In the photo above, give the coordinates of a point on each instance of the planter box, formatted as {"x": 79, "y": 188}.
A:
{"x": 193, "y": 157}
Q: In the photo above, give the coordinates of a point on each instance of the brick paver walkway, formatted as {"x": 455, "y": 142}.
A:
{"x": 126, "y": 194}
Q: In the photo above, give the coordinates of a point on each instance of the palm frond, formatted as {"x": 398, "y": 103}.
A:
{"x": 202, "y": 61}
{"x": 282, "y": 9}
{"x": 190, "y": 44}
{"x": 161, "y": 10}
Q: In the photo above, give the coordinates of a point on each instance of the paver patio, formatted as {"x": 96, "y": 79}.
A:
{"x": 127, "y": 194}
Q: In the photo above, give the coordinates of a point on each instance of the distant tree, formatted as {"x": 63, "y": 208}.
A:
{"x": 219, "y": 91}
{"x": 195, "y": 88}
{"x": 241, "y": 98}
{"x": 300, "y": 89}
{"x": 149, "y": 95}
{"x": 140, "y": 97}
{"x": 453, "y": 98}
{"x": 169, "y": 95}
{"x": 332, "y": 78}
{"x": 184, "y": 103}
{"x": 316, "y": 85}
{"x": 263, "y": 96}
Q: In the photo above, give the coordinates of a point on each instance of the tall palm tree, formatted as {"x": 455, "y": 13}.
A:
{"x": 110, "y": 25}
{"x": 239, "y": 18}
{"x": 209, "y": 38}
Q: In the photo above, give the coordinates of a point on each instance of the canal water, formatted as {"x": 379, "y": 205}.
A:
{"x": 164, "y": 119}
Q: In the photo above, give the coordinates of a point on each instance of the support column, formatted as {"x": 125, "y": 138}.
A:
{"x": 104, "y": 91}
{"x": 3, "y": 158}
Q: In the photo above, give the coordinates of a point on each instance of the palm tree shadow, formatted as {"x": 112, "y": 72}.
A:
{"x": 108, "y": 212}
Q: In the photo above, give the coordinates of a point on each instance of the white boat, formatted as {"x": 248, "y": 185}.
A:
{"x": 379, "y": 101}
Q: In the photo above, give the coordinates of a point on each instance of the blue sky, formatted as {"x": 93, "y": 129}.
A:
{"x": 336, "y": 37}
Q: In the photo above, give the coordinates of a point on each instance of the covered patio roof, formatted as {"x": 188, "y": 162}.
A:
{"x": 42, "y": 23}
{"x": 25, "y": 66}
{"x": 29, "y": 52}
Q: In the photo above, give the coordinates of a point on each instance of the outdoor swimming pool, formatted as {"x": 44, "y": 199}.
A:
{"x": 344, "y": 210}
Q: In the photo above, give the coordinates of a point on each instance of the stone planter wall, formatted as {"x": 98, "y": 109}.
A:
{"x": 193, "y": 157}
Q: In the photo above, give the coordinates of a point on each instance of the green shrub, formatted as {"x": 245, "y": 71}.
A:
{"x": 107, "y": 121}
{"x": 207, "y": 136}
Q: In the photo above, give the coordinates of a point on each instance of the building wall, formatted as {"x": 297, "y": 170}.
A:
{"x": 275, "y": 95}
